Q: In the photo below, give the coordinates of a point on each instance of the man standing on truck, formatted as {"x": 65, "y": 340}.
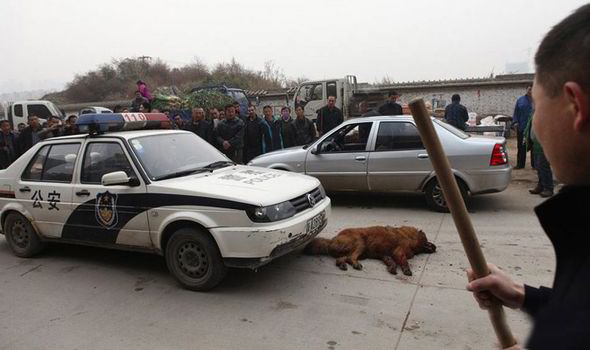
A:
{"x": 201, "y": 126}
{"x": 29, "y": 136}
{"x": 256, "y": 136}
{"x": 391, "y": 107}
{"x": 456, "y": 114}
{"x": 230, "y": 135}
{"x": 7, "y": 144}
{"x": 329, "y": 116}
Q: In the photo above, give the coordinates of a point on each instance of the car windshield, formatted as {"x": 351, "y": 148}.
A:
{"x": 452, "y": 129}
{"x": 173, "y": 155}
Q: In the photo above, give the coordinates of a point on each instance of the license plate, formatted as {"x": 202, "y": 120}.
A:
{"x": 315, "y": 224}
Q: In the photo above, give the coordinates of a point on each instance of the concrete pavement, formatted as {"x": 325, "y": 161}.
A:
{"x": 86, "y": 298}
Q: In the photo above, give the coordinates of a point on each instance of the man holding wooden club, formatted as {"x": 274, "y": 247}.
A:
{"x": 561, "y": 94}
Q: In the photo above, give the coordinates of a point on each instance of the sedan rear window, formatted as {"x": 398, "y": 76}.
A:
{"x": 452, "y": 129}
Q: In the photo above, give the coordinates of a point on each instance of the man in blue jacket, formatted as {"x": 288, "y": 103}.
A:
{"x": 562, "y": 124}
{"x": 520, "y": 118}
{"x": 456, "y": 114}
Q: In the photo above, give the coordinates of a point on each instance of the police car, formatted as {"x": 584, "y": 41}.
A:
{"x": 122, "y": 184}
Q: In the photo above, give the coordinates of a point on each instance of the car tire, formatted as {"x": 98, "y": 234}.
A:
{"x": 194, "y": 260}
{"x": 435, "y": 198}
{"x": 21, "y": 237}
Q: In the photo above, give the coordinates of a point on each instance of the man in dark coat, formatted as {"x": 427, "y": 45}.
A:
{"x": 229, "y": 135}
{"x": 286, "y": 125}
{"x": 456, "y": 114}
{"x": 304, "y": 128}
{"x": 29, "y": 136}
{"x": 274, "y": 129}
{"x": 391, "y": 107}
{"x": 561, "y": 92}
{"x": 256, "y": 136}
{"x": 8, "y": 150}
{"x": 201, "y": 126}
{"x": 329, "y": 116}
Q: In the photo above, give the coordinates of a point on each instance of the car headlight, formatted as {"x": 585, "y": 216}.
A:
{"x": 272, "y": 213}
{"x": 322, "y": 191}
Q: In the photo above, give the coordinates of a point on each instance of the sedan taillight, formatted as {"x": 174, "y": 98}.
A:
{"x": 499, "y": 156}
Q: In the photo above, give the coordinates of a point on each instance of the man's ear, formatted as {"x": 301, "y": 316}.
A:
{"x": 579, "y": 102}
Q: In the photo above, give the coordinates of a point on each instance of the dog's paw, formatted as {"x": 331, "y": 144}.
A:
{"x": 392, "y": 270}
{"x": 357, "y": 266}
{"x": 342, "y": 266}
{"x": 407, "y": 272}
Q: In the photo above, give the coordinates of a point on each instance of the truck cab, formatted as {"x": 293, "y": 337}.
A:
{"x": 313, "y": 95}
{"x": 19, "y": 112}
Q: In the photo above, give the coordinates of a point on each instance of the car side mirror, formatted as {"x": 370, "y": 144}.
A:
{"x": 119, "y": 178}
{"x": 314, "y": 150}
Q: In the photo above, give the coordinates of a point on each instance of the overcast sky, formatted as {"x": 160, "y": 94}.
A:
{"x": 46, "y": 42}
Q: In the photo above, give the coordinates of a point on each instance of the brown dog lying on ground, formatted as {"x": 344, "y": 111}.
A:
{"x": 393, "y": 245}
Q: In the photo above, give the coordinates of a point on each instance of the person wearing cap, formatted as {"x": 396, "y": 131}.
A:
{"x": 391, "y": 107}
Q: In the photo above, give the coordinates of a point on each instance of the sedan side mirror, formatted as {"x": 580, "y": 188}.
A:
{"x": 314, "y": 150}
{"x": 119, "y": 178}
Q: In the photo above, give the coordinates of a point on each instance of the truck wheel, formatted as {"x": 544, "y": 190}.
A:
{"x": 194, "y": 259}
{"x": 21, "y": 236}
{"x": 435, "y": 198}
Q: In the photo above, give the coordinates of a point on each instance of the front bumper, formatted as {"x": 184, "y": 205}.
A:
{"x": 257, "y": 245}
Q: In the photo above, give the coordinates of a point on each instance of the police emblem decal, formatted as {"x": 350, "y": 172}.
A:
{"x": 311, "y": 200}
{"x": 106, "y": 209}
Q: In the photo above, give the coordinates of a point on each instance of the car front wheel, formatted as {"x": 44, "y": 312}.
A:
{"x": 194, "y": 259}
{"x": 21, "y": 236}
{"x": 436, "y": 199}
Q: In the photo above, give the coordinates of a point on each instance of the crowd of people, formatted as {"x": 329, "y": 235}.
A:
{"x": 244, "y": 137}
{"x": 15, "y": 143}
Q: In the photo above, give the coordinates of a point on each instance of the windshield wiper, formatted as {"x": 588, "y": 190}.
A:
{"x": 208, "y": 167}
{"x": 218, "y": 164}
{"x": 181, "y": 173}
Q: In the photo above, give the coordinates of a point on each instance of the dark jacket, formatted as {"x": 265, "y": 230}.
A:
{"x": 276, "y": 139}
{"x": 562, "y": 314}
{"x": 136, "y": 102}
{"x": 231, "y": 131}
{"x": 328, "y": 119}
{"x": 203, "y": 128}
{"x": 304, "y": 131}
{"x": 456, "y": 115}
{"x": 390, "y": 108}
{"x": 8, "y": 149}
{"x": 522, "y": 112}
{"x": 288, "y": 132}
{"x": 256, "y": 138}
{"x": 26, "y": 139}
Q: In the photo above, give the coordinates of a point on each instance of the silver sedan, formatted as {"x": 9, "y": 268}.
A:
{"x": 385, "y": 154}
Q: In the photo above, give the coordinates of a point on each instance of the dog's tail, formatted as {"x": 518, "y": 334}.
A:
{"x": 318, "y": 246}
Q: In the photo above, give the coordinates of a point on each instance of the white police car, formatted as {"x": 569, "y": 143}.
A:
{"x": 163, "y": 191}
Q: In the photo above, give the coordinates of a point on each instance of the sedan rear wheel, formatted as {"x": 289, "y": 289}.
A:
{"x": 21, "y": 236}
{"x": 436, "y": 199}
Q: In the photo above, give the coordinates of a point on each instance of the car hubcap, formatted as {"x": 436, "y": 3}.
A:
{"x": 20, "y": 234}
{"x": 438, "y": 196}
{"x": 192, "y": 260}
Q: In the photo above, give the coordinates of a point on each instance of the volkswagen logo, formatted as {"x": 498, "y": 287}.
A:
{"x": 311, "y": 200}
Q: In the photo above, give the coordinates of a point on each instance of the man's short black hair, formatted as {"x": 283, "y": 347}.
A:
{"x": 456, "y": 97}
{"x": 228, "y": 106}
{"x": 4, "y": 121}
{"x": 564, "y": 53}
{"x": 265, "y": 107}
{"x": 393, "y": 93}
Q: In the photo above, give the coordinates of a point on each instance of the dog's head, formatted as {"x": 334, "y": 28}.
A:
{"x": 423, "y": 245}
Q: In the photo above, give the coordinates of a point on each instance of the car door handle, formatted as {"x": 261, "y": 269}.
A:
{"x": 423, "y": 156}
{"x": 25, "y": 189}
{"x": 360, "y": 158}
{"x": 83, "y": 193}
